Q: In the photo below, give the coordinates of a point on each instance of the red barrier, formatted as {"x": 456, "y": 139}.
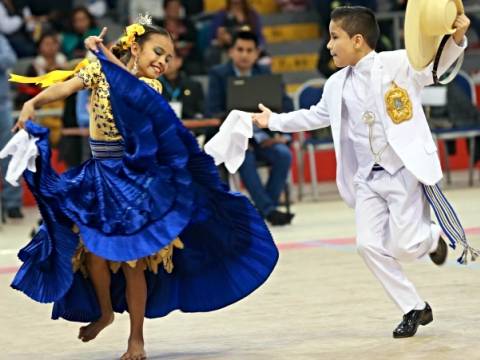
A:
{"x": 59, "y": 166}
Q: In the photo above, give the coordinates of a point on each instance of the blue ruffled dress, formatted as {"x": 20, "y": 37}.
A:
{"x": 132, "y": 201}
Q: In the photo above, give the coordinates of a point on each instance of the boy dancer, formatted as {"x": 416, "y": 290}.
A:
{"x": 386, "y": 157}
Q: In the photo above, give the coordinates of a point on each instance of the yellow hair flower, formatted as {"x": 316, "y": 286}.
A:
{"x": 130, "y": 32}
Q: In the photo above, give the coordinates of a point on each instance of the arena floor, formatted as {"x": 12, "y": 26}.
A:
{"x": 321, "y": 302}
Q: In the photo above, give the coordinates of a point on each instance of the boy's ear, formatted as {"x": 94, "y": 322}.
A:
{"x": 358, "y": 41}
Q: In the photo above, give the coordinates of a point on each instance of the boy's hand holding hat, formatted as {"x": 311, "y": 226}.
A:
{"x": 426, "y": 23}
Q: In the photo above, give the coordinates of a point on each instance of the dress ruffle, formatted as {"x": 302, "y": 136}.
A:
{"x": 151, "y": 263}
{"x": 128, "y": 208}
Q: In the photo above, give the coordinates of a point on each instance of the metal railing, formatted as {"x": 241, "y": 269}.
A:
{"x": 76, "y": 131}
{"x": 41, "y": 113}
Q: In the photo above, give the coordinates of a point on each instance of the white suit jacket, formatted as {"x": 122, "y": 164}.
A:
{"x": 411, "y": 140}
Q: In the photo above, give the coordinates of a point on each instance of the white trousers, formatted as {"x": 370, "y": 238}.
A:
{"x": 393, "y": 224}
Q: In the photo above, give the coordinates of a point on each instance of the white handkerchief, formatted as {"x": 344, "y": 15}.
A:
{"x": 24, "y": 151}
{"x": 230, "y": 143}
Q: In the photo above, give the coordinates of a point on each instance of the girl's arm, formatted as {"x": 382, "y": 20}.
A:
{"x": 55, "y": 92}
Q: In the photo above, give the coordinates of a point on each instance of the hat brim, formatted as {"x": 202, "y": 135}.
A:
{"x": 421, "y": 48}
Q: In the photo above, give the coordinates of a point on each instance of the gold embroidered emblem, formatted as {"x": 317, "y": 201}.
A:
{"x": 399, "y": 106}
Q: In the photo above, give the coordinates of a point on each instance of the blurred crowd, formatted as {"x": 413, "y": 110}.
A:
{"x": 48, "y": 35}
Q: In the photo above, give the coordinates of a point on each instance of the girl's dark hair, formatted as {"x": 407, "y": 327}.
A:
{"x": 358, "y": 20}
{"x": 84, "y": 10}
{"x": 125, "y": 54}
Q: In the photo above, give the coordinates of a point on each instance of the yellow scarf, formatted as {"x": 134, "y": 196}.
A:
{"x": 50, "y": 78}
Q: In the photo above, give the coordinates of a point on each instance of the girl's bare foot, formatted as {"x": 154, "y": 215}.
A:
{"x": 91, "y": 331}
{"x": 135, "y": 350}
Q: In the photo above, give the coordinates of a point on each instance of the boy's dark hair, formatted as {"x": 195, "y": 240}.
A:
{"x": 124, "y": 54}
{"x": 358, "y": 20}
{"x": 245, "y": 34}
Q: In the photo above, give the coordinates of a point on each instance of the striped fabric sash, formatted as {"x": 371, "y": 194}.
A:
{"x": 449, "y": 222}
{"x": 107, "y": 149}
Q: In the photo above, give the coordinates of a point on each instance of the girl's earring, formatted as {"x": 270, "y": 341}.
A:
{"x": 135, "y": 67}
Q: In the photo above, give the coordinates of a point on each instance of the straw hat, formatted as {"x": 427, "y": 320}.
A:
{"x": 426, "y": 22}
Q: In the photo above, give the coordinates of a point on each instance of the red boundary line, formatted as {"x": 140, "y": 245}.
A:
{"x": 285, "y": 246}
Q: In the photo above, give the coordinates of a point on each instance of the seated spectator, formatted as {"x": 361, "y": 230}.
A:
{"x": 17, "y": 25}
{"x": 83, "y": 25}
{"x": 49, "y": 58}
{"x": 238, "y": 14}
{"x": 184, "y": 34}
{"x": 265, "y": 146}
{"x": 11, "y": 196}
{"x": 185, "y": 94}
{"x": 178, "y": 87}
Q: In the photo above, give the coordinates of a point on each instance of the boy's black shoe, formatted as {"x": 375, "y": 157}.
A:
{"x": 411, "y": 320}
{"x": 439, "y": 256}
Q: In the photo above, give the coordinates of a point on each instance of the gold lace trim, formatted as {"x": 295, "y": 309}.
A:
{"x": 152, "y": 262}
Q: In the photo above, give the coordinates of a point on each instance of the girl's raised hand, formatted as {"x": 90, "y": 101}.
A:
{"x": 93, "y": 42}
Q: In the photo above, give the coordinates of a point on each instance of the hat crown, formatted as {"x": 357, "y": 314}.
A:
{"x": 438, "y": 16}
{"x": 426, "y": 23}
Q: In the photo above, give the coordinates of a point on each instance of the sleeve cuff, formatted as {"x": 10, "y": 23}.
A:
{"x": 274, "y": 122}
{"x": 463, "y": 44}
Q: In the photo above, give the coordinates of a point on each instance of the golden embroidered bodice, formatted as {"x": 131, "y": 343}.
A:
{"x": 102, "y": 124}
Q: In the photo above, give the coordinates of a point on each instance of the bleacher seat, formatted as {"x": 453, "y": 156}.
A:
{"x": 465, "y": 82}
{"x": 262, "y": 6}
